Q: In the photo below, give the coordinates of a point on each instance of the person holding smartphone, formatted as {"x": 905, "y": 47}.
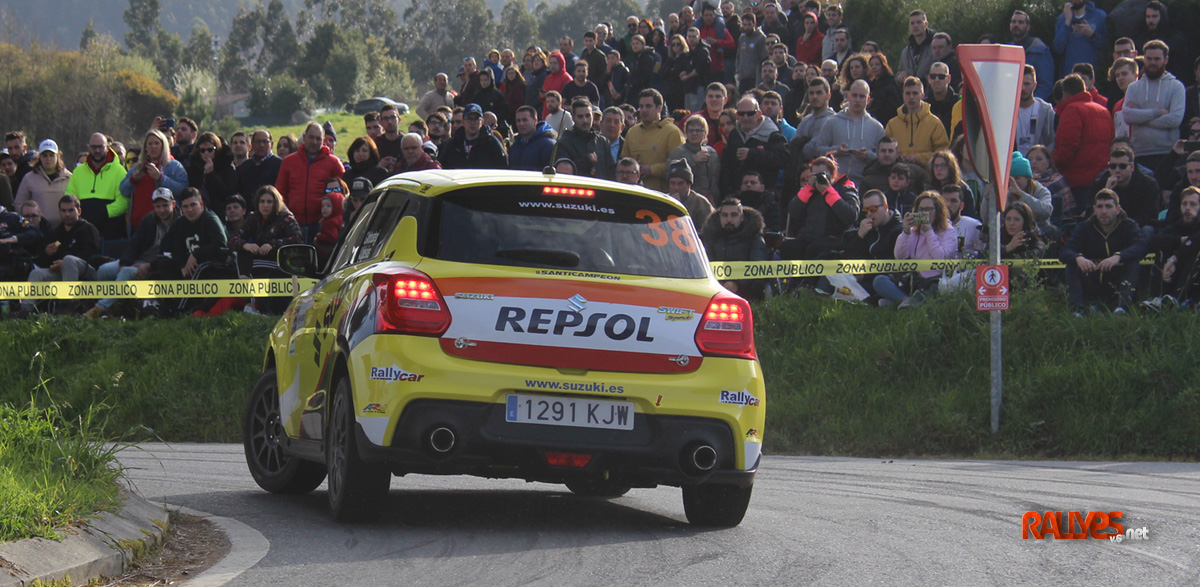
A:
{"x": 1080, "y": 34}
{"x": 926, "y": 234}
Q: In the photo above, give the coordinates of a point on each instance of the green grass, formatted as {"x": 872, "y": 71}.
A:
{"x": 184, "y": 380}
{"x": 348, "y": 127}
{"x": 841, "y": 379}
{"x": 54, "y": 470}
{"x": 852, "y": 380}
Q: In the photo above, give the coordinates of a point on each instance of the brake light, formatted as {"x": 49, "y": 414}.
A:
{"x": 563, "y": 191}
{"x": 727, "y": 328}
{"x": 566, "y": 459}
{"x": 409, "y": 303}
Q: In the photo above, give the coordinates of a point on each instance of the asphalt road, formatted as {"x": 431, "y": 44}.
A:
{"x": 824, "y": 521}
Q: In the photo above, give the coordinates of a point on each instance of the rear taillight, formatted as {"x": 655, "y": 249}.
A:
{"x": 727, "y": 328}
{"x": 409, "y": 303}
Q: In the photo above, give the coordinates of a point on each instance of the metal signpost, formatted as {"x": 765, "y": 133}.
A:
{"x": 992, "y": 75}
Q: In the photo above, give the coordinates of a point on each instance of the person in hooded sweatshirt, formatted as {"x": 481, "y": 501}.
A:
{"x": 1154, "y": 107}
{"x": 853, "y": 134}
{"x": 755, "y": 144}
{"x": 558, "y": 77}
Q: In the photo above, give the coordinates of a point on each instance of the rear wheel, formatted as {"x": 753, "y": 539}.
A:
{"x": 597, "y": 488}
{"x": 721, "y": 506}
{"x": 357, "y": 490}
{"x": 262, "y": 440}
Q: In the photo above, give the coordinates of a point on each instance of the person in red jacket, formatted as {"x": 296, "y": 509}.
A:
{"x": 1081, "y": 144}
{"x": 331, "y": 217}
{"x": 302, "y": 178}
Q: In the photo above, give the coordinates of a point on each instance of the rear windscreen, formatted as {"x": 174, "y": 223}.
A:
{"x": 595, "y": 231}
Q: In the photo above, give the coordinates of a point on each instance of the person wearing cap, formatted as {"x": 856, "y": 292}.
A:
{"x": 46, "y": 181}
{"x": 1023, "y": 188}
{"x": 302, "y": 178}
{"x": 97, "y": 184}
{"x": 469, "y": 76}
{"x": 412, "y": 149}
{"x": 330, "y": 140}
{"x": 679, "y": 186}
{"x": 66, "y": 249}
{"x": 473, "y": 146}
{"x": 360, "y": 188}
{"x": 143, "y": 248}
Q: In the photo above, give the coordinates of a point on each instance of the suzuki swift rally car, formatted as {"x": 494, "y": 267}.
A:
{"x": 511, "y": 325}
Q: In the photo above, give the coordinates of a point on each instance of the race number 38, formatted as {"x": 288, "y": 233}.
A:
{"x": 657, "y": 235}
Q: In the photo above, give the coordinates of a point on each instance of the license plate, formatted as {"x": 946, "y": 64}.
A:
{"x": 561, "y": 411}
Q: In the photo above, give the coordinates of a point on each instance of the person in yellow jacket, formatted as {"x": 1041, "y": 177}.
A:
{"x": 917, "y": 130}
{"x": 97, "y": 184}
{"x": 651, "y": 141}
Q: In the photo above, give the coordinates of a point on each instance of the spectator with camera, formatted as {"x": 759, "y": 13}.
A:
{"x": 1102, "y": 257}
{"x": 820, "y": 212}
{"x": 734, "y": 232}
{"x": 927, "y": 234}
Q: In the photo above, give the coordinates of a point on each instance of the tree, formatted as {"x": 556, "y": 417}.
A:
{"x": 200, "y": 53}
{"x": 142, "y": 18}
{"x": 89, "y": 35}
{"x": 439, "y": 30}
{"x": 574, "y": 18}
{"x": 241, "y": 50}
{"x": 518, "y": 28}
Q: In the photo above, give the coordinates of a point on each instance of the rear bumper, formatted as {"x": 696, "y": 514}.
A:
{"x": 656, "y": 452}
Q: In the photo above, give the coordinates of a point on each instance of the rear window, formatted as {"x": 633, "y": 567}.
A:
{"x": 599, "y": 231}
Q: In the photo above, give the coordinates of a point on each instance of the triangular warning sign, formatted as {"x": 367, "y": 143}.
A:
{"x": 992, "y": 75}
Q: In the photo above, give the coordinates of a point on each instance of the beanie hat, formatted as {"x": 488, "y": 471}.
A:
{"x": 680, "y": 169}
{"x": 329, "y": 132}
{"x": 1020, "y": 166}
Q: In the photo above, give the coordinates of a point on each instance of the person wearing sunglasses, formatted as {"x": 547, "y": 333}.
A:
{"x": 942, "y": 96}
{"x": 1139, "y": 192}
{"x": 755, "y": 144}
{"x": 874, "y": 237}
{"x": 210, "y": 170}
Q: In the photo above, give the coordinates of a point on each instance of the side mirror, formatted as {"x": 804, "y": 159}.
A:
{"x": 298, "y": 260}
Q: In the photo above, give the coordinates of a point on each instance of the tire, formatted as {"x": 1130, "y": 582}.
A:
{"x": 357, "y": 490}
{"x": 597, "y": 488}
{"x": 718, "y": 506}
{"x": 262, "y": 433}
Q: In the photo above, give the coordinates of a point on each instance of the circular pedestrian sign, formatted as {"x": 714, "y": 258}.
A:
{"x": 992, "y": 277}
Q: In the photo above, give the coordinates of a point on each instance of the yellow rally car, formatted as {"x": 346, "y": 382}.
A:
{"x": 511, "y": 324}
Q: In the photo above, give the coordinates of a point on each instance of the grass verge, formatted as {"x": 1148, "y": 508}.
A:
{"x": 841, "y": 379}
{"x": 851, "y": 380}
{"x": 54, "y": 470}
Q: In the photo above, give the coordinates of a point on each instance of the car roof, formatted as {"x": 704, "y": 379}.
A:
{"x": 441, "y": 181}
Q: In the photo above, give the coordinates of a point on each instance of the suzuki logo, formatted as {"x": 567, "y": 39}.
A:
{"x": 577, "y": 302}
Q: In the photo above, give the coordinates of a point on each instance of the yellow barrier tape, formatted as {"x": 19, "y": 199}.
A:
{"x": 201, "y": 288}
{"x": 779, "y": 269}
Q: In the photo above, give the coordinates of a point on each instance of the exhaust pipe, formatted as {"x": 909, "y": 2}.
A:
{"x": 702, "y": 458}
{"x": 441, "y": 440}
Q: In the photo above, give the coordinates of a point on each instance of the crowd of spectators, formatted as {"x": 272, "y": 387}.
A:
{"x": 764, "y": 121}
